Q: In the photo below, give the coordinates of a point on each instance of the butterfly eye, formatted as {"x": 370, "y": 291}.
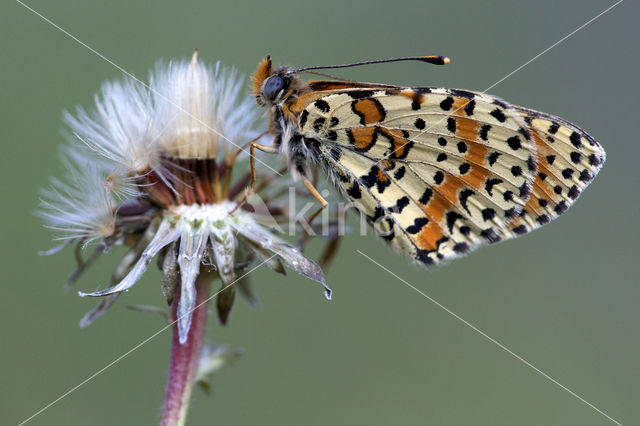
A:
{"x": 272, "y": 87}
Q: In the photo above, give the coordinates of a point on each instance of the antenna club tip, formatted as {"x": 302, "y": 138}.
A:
{"x": 446, "y": 60}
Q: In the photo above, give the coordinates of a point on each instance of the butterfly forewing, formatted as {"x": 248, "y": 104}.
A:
{"x": 452, "y": 169}
{"x": 568, "y": 159}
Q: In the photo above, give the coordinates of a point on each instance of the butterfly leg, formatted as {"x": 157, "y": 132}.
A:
{"x": 329, "y": 252}
{"x": 252, "y": 163}
{"x": 323, "y": 205}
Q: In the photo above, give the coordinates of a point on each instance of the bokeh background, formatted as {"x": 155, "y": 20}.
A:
{"x": 565, "y": 297}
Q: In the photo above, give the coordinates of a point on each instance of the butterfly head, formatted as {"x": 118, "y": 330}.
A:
{"x": 273, "y": 87}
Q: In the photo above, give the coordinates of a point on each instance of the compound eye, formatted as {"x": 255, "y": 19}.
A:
{"x": 272, "y": 87}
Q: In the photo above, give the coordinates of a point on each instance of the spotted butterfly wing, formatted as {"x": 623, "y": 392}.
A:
{"x": 568, "y": 160}
{"x": 438, "y": 172}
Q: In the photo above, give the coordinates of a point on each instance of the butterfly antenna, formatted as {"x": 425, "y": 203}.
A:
{"x": 326, "y": 75}
{"x": 436, "y": 60}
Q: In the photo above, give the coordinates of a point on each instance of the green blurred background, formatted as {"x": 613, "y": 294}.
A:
{"x": 565, "y": 297}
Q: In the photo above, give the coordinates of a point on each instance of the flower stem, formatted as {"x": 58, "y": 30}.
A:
{"x": 184, "y": 358}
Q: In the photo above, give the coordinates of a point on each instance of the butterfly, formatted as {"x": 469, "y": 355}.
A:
{"x": 438, "y": 172}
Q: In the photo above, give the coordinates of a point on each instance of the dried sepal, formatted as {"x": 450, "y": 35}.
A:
{"x": 291, "y": 256}
{"x": 151, "y": 309}
{"x": 81, "y": 263}
{"x": 166, "y": 234}
{"x": 266, "y": 257}
{"x": 224, "y": 302}
{"x": 223, "y": 245}
{"x": 98, "y": 311}
{"x": 170, "y": 274}
{"x": 189, "y": 259}
{"x": 246, "y": 291}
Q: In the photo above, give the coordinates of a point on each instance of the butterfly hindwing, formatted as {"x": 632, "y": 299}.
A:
{"x": 460, "y": 164}
{"x": 568, "y": 159}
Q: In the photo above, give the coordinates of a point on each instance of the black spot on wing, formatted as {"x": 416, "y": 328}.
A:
{"x": 401, "y": 204}
{"x": 488, "y": 214}
{"x": 318, "y": 124}
{"x": 354, "y": 192}
{"x": 573, "y": 192}
{"x": 461, "y": 248}
{"x": 438, "y": 177}
{"x": 372, "y": 178}
{"x": 524, "y": 132}
{"x": 417, "y": 226}
{"x": 498, "y": 115}
{"x": 520, "y": 229}
{"x": 561, "y": 207}
{"x": 446, "y": 103}
{"x": 484, "y": 132}
{"x": 514, "y": 143}
{"x": 451, "y": 219}
{"x": 585, "y": 176}
{"x": 451, "y": 124}
{"x": 303, "y": 118}
{"x": 594, "y": 160}
{"x": 516, "y": 170}
{"x": 493, "y": 157}
{"x": 426, "y": 196}
{"x": 463, "y": 197}
{"x": 322, "y": 105}
{"x": 490, "y": 183}
{"x": 359, "y": 94}
{"x": 543, "y": 219}
{"x": 575, "y": 139}
{"x": 468, "y": 109}
{"x": 490, "y": 235}
{"x": 510, "y": 213}
{"x": 531, "y": 164}
{"x": 567, "y": 173}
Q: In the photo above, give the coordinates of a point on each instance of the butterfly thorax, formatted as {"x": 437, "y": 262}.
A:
{"x": 280, "y": 92}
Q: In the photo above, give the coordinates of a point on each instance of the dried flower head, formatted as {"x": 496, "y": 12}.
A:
{"x": 150, "y": 168}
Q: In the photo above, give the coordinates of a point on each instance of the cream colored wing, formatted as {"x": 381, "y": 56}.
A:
{"x": 449, "y": 169}
{"x": 568, "y": 160}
